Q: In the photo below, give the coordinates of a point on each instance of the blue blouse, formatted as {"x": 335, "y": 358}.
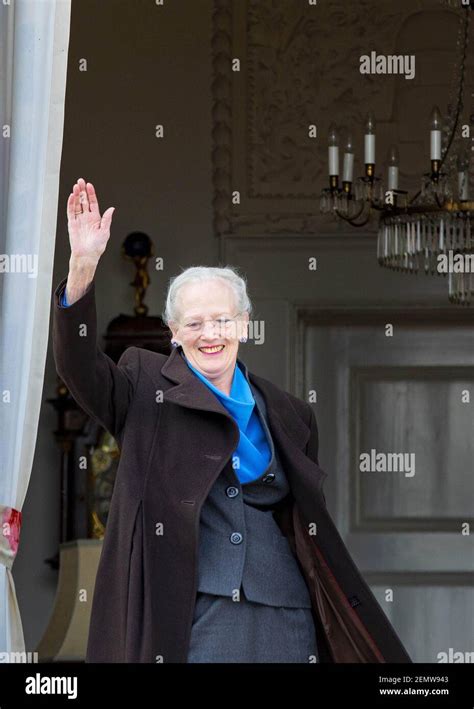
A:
{"x": 253, "y": 454}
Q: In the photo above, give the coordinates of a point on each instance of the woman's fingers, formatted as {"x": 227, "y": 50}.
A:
{"x": 80, "y": 201}
{"x": 77, "y": 199}
{"x": 70, "y": 206}
{"x": 93, "y": 203}
{"x": 84, "y": 199}
{"x": 107, "y": 219}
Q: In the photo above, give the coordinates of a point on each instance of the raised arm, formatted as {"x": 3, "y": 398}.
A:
{"x": 102, "y": 388}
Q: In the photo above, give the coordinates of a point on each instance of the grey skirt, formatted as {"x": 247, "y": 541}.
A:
{"x": 229, "y": 631}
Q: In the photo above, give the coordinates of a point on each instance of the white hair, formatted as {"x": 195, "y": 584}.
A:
{"x": 228, "y": 274}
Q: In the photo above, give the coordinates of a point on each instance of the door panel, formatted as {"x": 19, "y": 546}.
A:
{"x": 402, "y": 398}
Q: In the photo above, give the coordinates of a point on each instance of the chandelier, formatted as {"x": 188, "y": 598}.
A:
{"x": 433, "y": 230}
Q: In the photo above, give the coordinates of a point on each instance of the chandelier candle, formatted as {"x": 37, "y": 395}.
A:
{"x": 435, "y": 134}
{"x": 369, "y": 143}
{"x": 348, "y": 167}
{"x": 393, "y": 162}
{"x": 333, "y": 154}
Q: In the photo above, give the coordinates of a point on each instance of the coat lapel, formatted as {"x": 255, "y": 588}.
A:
{"x": 191, "y": 392}
{"x": 289, "y": 431}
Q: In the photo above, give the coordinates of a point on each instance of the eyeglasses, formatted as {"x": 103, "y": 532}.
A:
{"x": 222, "y": 324}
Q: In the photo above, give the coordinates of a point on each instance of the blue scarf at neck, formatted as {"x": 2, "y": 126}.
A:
{"x": 253, "y": 454}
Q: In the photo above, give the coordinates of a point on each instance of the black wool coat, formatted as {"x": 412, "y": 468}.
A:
{"x": 175, "y": 438}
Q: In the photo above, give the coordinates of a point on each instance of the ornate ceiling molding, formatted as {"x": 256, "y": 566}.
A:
{"x": 292, "y": 77}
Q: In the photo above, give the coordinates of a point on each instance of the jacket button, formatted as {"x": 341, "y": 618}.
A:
{"x": 268, "y": 478}
{"x": 232, "y": 491}
{"x": 236, "y": 537}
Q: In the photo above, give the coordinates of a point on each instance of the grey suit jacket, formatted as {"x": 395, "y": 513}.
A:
{"x": 240, "y": 543}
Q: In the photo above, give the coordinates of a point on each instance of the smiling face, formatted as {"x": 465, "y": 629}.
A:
{"x": 209, "y": 327}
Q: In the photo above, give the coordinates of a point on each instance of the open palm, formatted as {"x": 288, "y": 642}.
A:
{"x": 88, "y": 231}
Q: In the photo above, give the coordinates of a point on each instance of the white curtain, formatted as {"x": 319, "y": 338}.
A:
{"x": 34, "y": 40}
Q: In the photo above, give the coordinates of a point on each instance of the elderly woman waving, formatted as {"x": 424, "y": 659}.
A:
{"x": 219, "y": 546}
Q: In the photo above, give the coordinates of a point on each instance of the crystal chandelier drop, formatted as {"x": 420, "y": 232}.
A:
{"x": 433, "y": 231}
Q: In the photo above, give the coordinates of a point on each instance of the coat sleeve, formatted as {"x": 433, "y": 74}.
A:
{"x": 102, "y": 388}
{"x": 312, "y": 448}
